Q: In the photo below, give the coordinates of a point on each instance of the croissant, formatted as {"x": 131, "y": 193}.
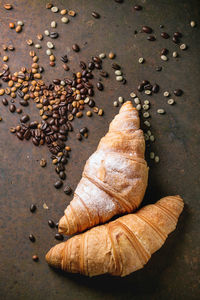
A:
{"x": 121, "y": 246}
{"x": 114, "y": 178}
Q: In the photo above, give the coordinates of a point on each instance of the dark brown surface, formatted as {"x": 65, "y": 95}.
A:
{"x": 173, "y": 272}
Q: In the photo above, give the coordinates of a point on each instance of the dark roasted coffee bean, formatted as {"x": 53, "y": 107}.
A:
{"x": 145, "y": 82}
{"x": 137, "y": 7}
{"x": 20, "y": 135}
{"x": 119, "y": 1}
{"x": 32, "y": 238}
{"x": 64, "y": 160}
{"x": 24, "y": 118}
{"x": 56, "y": 81}
{"x": 5, "y": 101}
{"x": 164, "y": 35}
{"x": 54, "y": 35}
{"x": 91, "y": 103}
{"x": 175, "y": 40}
{"x": 75, "y": 48}
{"x": 20, "y": 93}
{"x": 103, "y": 74}
{"x": 64, "y": 58}
{"x": 90, "y": 92}
{"x": 89, "y": 75}
{"x": 140, "y": 87}
{"x": 91, "y": 65}
{"x": 34, "y": 124}
{"x": 116, "y": 66}
{"x": 95, "y": 15}
{"x": 147, "y": 29}
{"x": 98, "y": 66}
{"x": 57, "y": 224}
{"x": 35, "y": 141}
{"x": 33, "y": 208}
{"x": 158, "y": 68}
{"x": 78, "y": 136}
{"x": 12, "y": 108}
{"x": 62, "y": 175}
{"x": 164, "y": 51}
{"x": 59, "y": 237}
{"x": 74, "y": 111}
{"x": 83, "y": 130}
{"x": 27, "y": 134}
{"x": 151, "y": 38}
{"x": 24, "y": 103}
{"x": 83, "y": 65}
{"x": 178, "y": 92}
{"x": 124, "y": 81}
{"x": 96, "y": 59}
{"x": 58, "y": 184}
{"x": 178, "y": 34}
{"x": 67, "y": 190}
{"x": 99, "y": 86}
{"x": 148, "y": 87}
{"x": 51, "y": 223}
{"x": 155, "y": 88}
{"x": 41, "y": 69}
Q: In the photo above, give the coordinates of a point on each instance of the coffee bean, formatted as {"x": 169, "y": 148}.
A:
{"x": 147, "y": 29}
{"x": 64, "y": 58}
{"x": 35, "y": 141}
{"x": 32, "y": 238}
{"x": 78, "y": 136}
{"x": 96, "y": 59}
{"x": 62, "y": 175}
{"x": 12, "y": 108}
{"x": 137, "y": 7}
{"x": 54, "y": 35}
{"x": 75, "y": 48}
{"x": 67, "y": 190}
{"x": 83, "y": 65}
{"x": 164, "y": 51}
{"x": 155, "y": 88}
{"x": 24, "y": 103}
{"x": 35, "y": 258}
{"x": 175, "y": 40}
{"x": 5, "y": 101}
{"x": 140, "y": 87}
{"x": 91, "y": 103}
{"x": 178, "y": 92}
{"x": 25, "y": 118}
{"x": 27, "y": 134}
{"x": 116, "y": 66}
{"x": 58, "y": 184}
{"x": 151, "y": 38}
{"x": 59, "y": 237}
{"x": 103, "y": 74}
{"x": 83, "y": 130}
{"x": 119, "y": 1}
{"x": 178, "y": 34}
{"x": 20, "y": 135}
{"x": 56, "y": 81}
{"x": 33, "y": 208}
{"x": 99, "y": 86}
{"x": 51, "y": 223}
{"x": 158, "y": 68}
{"x": 57, "y": 224}
{"x": 164, "y": 35}
{"x": 95, "y": 15}
{"x": 91, "y": 65}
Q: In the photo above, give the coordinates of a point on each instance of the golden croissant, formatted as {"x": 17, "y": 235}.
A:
{"x": 114, "y": 178}
{"x": 121, "y": 246}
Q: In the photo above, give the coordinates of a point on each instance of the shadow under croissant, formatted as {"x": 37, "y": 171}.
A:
{"x": 142, "y": 281}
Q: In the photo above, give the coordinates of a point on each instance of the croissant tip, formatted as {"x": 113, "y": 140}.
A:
{"x": 62, "y": 226}
{"x": 128, "y": 105}
{"x": 54, "y": 256}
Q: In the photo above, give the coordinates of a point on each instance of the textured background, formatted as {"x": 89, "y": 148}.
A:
{"x": 173, "y": 272}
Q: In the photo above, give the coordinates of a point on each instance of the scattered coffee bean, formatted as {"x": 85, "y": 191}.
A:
{"x": 67, "y": 190}
{"x": 11, "y": 25}
{"x": 164, "y": 35}
{"x": 8, "y": 6}
{"x": 43, "y": 162}
{"x": 147, "y": 29}
{"x": 178, "y": 92}
{"x": 178, "y": 34}
{"x": 99, "y": 86}
{"x": 54, "y": 9}
{"x": 75, "y": 48}
{"x": 193, "y": 24}
{"x": 5, "y": 101}
{"x": 183, "y": 46}
{"x": 59, "y": 237}
{"x": 51, "y": 223}
{"x": 151, "y": 38}
{"x": 25, "y": 118}
{"x": 111, "y": 55}
{"x": 103, "y": 74}
{"x": 35, "y": 258}
{"x": 12, "y": 108}
{"x": 164, "y": 51}
{"x": 18, "y": 28}
{"x": 58, "y": 184}
{"x": 83, "y": 130}
{"x": 158, "y": 68}
{"x": 54, "y": 35}
{"x": 32, "y": 238}
{"x": 32, "y": 208}
{"x": 155, "y": 88}
{"x": 64, "y": 20}
{"x": 95, "y": 15}
{"x": 137, "y": 7}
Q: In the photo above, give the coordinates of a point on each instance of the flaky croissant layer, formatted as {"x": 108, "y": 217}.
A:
{"x": 114, "y": 178}
{"x": 121, "y": 246}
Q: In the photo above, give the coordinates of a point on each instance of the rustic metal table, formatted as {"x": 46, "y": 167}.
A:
{"x": 173, "y": 272}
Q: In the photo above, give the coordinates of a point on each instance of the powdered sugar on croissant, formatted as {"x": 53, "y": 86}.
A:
{"x": 114, "y": 178}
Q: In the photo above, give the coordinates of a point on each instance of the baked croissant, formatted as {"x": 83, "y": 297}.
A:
{"x": 121, "y": 246}
{"x": 114, "y": 178}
